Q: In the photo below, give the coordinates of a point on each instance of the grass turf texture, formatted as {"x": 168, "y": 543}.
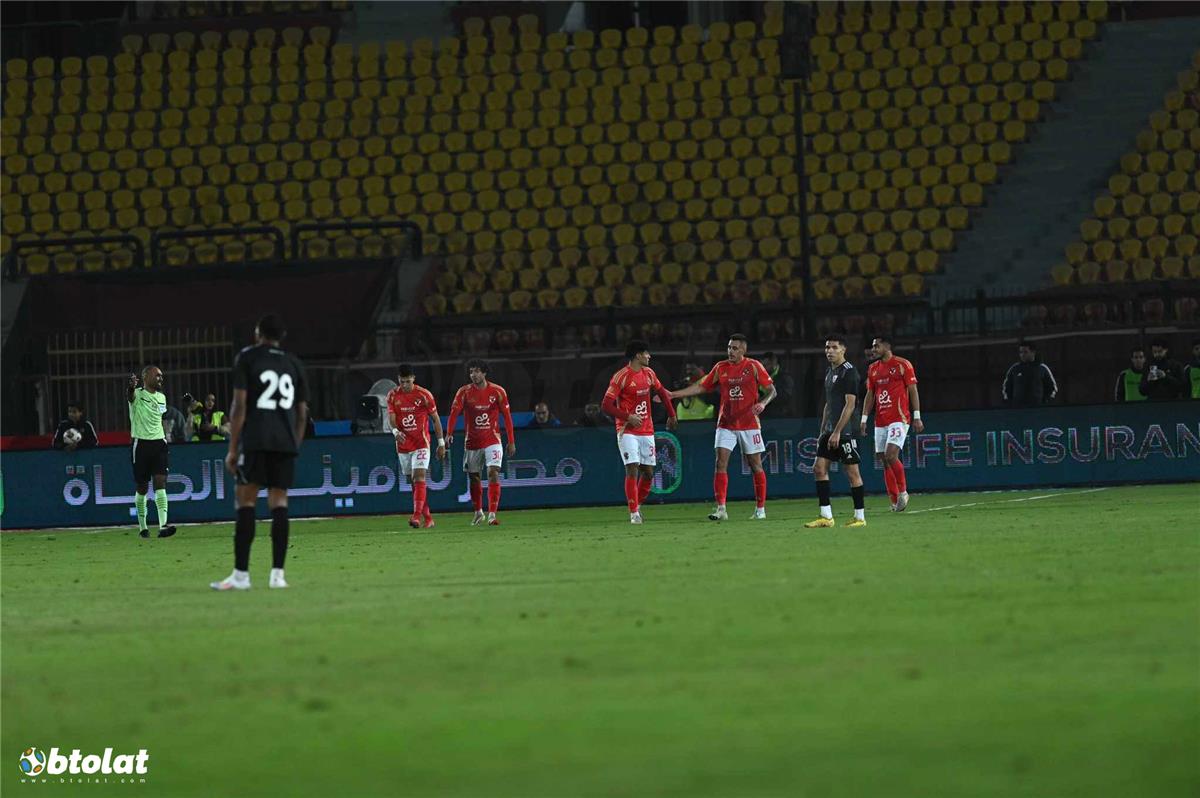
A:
{"x": 1044, "y": 647}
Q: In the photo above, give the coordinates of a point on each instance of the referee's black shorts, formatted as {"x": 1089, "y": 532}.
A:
{"x": 150, "y": 458}
{"x": 266, "y": 469}
{"x": 846, "y": 451}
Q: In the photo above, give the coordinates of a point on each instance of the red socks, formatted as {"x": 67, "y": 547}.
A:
{"x": 760, "y": 488}
{"x": 644, "y": 486}
{"x": 419, "y": 498}
{"x": 493, "y": 496}
{"x": 631, "y": 493}
{"x": 898, "y": 475}
{"x": 720, "y": 487}
{"x": 890, "y": 482}
{"x": 893, "y": 477}
{"x": 476, "y": 495}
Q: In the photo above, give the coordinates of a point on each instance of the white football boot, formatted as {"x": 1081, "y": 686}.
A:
{"x": 635, "y": 518}
{"x": 760, "y": 514}
{"x": 238, "y": 580}
{"x": 719, "y": 514}
{"x": 478, "y": 519}
{"x": 277, "y": 579}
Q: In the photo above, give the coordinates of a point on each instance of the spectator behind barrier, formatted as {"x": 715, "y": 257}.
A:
{"x": 74, "y": 431}
{"x": 1129, "y": 381}
{"x": 692, "y": 408}
{"x": 1163, "y": 380}
{"x": 1028, "y": 382}
{"x": 543, "y": 418}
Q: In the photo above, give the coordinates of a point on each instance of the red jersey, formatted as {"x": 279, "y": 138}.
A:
{"x": 481, "y": 409}
{"x": 632, "y": 391}
{"x": 739, "y": 384}
{"x": 889, "y": 379}
{"x": 412, "y": 411}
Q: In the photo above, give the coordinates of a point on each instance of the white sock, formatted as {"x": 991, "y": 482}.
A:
{"x": 826, "y": 511}
{"x": 860, "y": 515}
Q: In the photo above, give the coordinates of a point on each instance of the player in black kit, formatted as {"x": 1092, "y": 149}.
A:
{"x": 266, "y": 427}
{"x": 837, "y": 443}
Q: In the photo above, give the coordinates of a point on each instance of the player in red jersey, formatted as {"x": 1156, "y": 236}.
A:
{"x": 410, "y": 409}
{"x": 738, "y": 378}
{"x": 481, "y": 403}
{"x": 628, "y": 401}
{"x": 892, "y": 393}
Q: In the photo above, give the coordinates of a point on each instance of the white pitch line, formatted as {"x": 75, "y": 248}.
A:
{"x": 1005, "y": 501}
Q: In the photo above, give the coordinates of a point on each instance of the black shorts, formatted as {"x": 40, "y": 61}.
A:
{"x": 266, "y": 469}
{"x": 150, "y": 458}
{"x": 846, "y": 452}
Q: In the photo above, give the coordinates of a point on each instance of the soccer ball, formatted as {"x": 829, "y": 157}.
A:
{"x": 72, "y": 435}
{"x": 33, "y": 761}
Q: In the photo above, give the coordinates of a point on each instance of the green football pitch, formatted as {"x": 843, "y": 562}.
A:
{"x": 1040, "y": 643}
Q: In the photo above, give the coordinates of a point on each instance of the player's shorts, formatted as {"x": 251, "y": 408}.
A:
{"x": 750, "y": 439}
{"x": 266, "y": 469}
{"x": 894, "y": 434}
{"x": 477, "y": 461}
{"x": 636, "y": 449}
{"x": 150, "y": 458}
{"x": 846, "y": 451}
{"x": 411, "y": 461}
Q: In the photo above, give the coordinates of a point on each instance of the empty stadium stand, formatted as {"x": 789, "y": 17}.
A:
{"x": 1145, "y": 225}
{"x": 550, "y": 170}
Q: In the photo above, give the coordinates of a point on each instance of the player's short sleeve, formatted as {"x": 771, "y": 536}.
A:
{"x": 712, "y": 379}
{"x": 616, "y": 384}
{"x": 503, "y": 394}
{"x": 849, "y": 382}
{"x": 432, "y": 402}
{"x": 241, "y": 372}
{"x": 910, "y": 374}
{"x": 761, "y": 374}
{"x": 391, "y": 401}
{"x": 870, "y": 379}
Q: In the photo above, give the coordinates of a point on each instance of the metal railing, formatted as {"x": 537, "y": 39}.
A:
{"x": 92, "y": 367}
{"x": 414, "y": 233}
{"x": 14, "y": 266}
{"x": 159, "y": 237}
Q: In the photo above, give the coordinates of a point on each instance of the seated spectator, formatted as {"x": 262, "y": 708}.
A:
{"x": 1163, "y": 379}
{"x": 593, "y": 417}
{"x": 1028, "y": 382}
{"x": 692, "y": 408}
{"x": 176, "y": 426}
{"x": 75, "y": 431}
{"x": 208, "y": 423}
{"x": 543, "y": 418}
{"x": 1129, "y": 381}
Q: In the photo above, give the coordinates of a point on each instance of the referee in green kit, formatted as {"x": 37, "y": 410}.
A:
{"x": 147, "y": 405}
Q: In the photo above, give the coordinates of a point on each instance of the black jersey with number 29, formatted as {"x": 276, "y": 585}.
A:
{"x": 275, "y": 386}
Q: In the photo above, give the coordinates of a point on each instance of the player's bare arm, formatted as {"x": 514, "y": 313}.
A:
{"x": 761, "y": 404}
{"x": 695, "y": 389}
{"x": 665, "y": 396}
{"x": 835, "y": 437}
{"x": 914, "y": 402}
{"x": 237, "y": 420}
{"x": 437, "y": 431}
{"x": 868, "y": 403}
{"x": 301, "y": 421}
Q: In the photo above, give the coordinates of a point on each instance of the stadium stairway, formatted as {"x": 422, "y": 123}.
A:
{"x": 1035, "y": 211}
